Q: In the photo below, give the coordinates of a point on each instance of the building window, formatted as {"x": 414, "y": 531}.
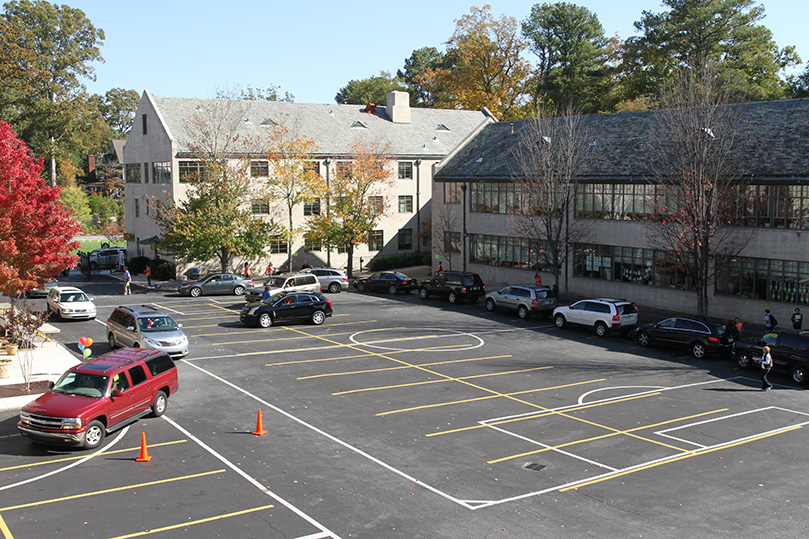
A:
{"x": 405, "y": 170}
{"x": 343, "y": 169}
{"x": 377, "y": 205}
{"x": 508, "y": 251}
{"x": 143, "y": 118}
{"x": 279, "y": 245}
{"x": 342, "y": 248}
{"x": 311, "y": 207}
{"x": 310, "y": 244}
{"x": 452, "y": 193}
{"x": 161, "y": 172}
{"x": 497, "y": 197}
{"x": 452, "y": 242}
{"x": 260, "y": 207}
{"x": 312, "y": 167}
{"x": 137, "y": 208}
{"x": 405, "y": 239}
{"x": 132, "y": 173}
{"x": 376, "y": 240}
{"x": 651, "y": 267}
{"x": 146, "y": 203}
{"x": 259, "y": 169}
{"x": 191, "y": 170}
{"x": 405, "y": 203}
{"x": 760, "y": 278}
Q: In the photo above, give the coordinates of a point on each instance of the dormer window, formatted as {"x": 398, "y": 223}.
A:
{"x": 441, "y": 127}
{"x": 357, "y": 125}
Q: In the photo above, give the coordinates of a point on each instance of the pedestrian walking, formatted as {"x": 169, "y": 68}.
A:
{"x": 769, "y": 320}
{"x": 440, "y": 268}
{"x": 246, "y": 270}
{"x": 148, "y": 273}
{"x": 766, "y": 365}
{"x": 127, "y": 279}
{"x": 538, "y": 278}
{"x": 797, "y": 320}
{"x": 270, "y": 269}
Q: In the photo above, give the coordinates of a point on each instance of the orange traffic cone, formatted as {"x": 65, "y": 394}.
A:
{"x": 144, "y": 454}
{"x": 259, "y": 426}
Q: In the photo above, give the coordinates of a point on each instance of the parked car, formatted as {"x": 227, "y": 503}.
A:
{"x": 603, "y": 314}
{"x": 789, "y": 351}
{"x": 700, "y": 337}
{"x": 42, "y": 291}
{"x": 70, "y": 302}
{"x": 112, "y": 257}
{"x": 100, "y": 396}
{"x": 453, "y": 286}
{"x": 287, "y": 307}
{"x": 391, "y": 282}
{"x": 143, "y": 326}
{"x": 331, "y": 279}
{"x": 525, "y": 299}
{"x": 288, "y": 282}
{"x": 217, "y": 283}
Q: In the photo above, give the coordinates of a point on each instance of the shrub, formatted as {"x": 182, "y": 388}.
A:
{"x": 137, "y": 264}
{"x": 163, "y": 270}
{"x": 381, "y": 263}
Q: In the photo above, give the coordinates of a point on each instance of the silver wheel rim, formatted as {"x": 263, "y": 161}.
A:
{"x": 93, "y": 435}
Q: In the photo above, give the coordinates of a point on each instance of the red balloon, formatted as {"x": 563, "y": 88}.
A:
{"x": 83, "y": 341}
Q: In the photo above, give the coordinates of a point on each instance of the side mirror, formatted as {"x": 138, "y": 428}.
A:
{"x": 117, "y": 393}
{"x": 51, "y": 384}
{"x": 179, "y": 325}
{"x": 130, "y": 328}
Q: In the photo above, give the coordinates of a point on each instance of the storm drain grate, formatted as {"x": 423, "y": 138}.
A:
{"x": 533, "y": 466}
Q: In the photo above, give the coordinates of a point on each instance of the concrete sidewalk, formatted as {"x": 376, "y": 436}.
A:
{"x": 48, "y": 361}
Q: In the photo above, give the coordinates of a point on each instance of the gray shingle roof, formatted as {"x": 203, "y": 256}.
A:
{"x": 330, "y": 126}
{"x": 774, "y": 145}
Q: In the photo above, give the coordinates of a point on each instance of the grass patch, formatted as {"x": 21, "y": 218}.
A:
{"x": 91, "y": 245}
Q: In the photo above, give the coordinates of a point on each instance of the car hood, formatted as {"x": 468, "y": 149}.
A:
{"x": 163, "y": 335}
{"x": 59, "y": 405}
{"x": 87, "y": 305}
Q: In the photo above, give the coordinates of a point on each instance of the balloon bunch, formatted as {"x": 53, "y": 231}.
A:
{"x": 84, "y": 346}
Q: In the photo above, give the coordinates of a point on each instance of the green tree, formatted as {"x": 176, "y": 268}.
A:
{"x": 723, "y": 35}
{"x": 73, "y": 197}
{"x": 349, "y": 215}
{"x": 66, "y": 44}
{"x": 271, "y": 93}
{"x": 799, "y": 86}
{"x": 487, "y": 69}
{"x": 18, "y": 67}
{"x": 414, "y": 67}
{"x": 371, "y": 90}
{"x": 570, "y": 45}
{"x": 118, "y": 107}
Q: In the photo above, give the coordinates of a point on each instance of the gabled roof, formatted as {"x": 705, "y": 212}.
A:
{"x": 773, "y": 139}
{"x": 334, "y": 128}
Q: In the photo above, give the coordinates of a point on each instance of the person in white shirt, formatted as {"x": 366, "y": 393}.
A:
{"x": 766, "y": 365}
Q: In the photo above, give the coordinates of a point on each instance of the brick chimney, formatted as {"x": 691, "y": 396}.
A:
{"x": 398, "y": 107}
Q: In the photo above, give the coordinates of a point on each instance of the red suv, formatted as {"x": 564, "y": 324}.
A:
{"x": 104, "y": 394}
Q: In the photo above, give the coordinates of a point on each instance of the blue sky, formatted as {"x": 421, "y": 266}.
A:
{"x": 313, "y": 48}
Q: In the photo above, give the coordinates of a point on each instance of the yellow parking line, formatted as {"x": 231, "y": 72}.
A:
{"x": 254, "y": 330}
{"x": 545, "y": 412}
{"x": 487, "y": 397}
{"x": 4, "y": 529}
{"x": 400, "y": 367}
{"x": 680, "y": 457}
{"x": 365, "y": 354}
{"x": 427, "y": 382}
{"x": 262, "y": 340}
{"x": 68, "y": 459}
{"x": 603, "y": 436}
{"x": 107, "y": 491}
{"x": 194, "y": 522}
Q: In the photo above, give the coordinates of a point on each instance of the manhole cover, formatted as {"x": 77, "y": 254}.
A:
{"x": 533, "y": 466}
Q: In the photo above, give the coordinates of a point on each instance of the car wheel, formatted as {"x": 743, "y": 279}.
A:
{"x": 111, "y": 339}
{"x": 239, "y": 290}
{"x": 490, "y": 305}
{"x": 335, "y": 288}
{"x": 698, "y": 350}
{"x": 392, "y": 290}
{"x": 93, "y": 265}
{"x": 360, "y": 287}
{"x": 318, "y": 317}
{"x": 798, "y": 376}
{"x": 601, "y": 329}
{"x": 135, "y": 345}
{"x": 94, "y": 434}
{"x": 644, "y": 339}
{"x": 195, "y": 292}
{"x": 522, "y": 312}
{"x": 559, "y": 320}
{"x": 161, "y": 401}
{"x": 264, "y": 320}
{"x": 452, "y": 297}
{"x": 424, "y": 293}
{"x": 743, "y": 360}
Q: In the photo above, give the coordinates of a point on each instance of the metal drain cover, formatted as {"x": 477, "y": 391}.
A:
{"x": 533, "y": 466}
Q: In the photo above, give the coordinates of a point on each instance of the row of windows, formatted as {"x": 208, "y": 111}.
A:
{"x": 651, "y": 267}
{"x": 760, "y": 278}
{"x": 376, "y": 241}
{"x": 507, "y": 251}
{"x": 160, "y": 172}
{"x": 312, "y": 207}
{"x": 756, "y": 205}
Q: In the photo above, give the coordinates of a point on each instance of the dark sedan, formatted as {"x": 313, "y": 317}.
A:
{"x": 700, "y": 337}
{"x": 391, "y": 282}
{"x": 218, "y": 283}
{"x": 287, "y": 307}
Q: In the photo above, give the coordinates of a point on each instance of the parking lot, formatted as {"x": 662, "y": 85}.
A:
{"x": 401, "y": 417}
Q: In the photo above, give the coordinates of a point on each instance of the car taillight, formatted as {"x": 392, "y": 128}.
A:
{"x": 329, "y": 302}
{"x": 404, "y": 282}
{"x": 713, "y": 340}
{"x": 250, "y": 283}
{"x": 345, "y": 279}
{"x": 535, "y": 302}
{"x": 616, "y": 318}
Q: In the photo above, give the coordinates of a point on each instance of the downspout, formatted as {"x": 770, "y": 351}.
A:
{"x": 418, "y": 206}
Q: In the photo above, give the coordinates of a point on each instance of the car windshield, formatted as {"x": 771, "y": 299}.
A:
{"x": 81, "y": 384}
{"x": 276, "y": 282}
{"x": 156, "y": 323}
{"x": 401, "y": 276}
{"x": 73, "y": 297}
{"x": 467, "y": 280}
{"x": 275, "y": 297}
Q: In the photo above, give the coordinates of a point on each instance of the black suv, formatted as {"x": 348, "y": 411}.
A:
{"x": 453, "y": 286}
{"x": 700, "y": 337}
{"x": 789, "y": 351}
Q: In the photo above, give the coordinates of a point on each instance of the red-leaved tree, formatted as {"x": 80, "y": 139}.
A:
{"x": 36, "y": 230}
